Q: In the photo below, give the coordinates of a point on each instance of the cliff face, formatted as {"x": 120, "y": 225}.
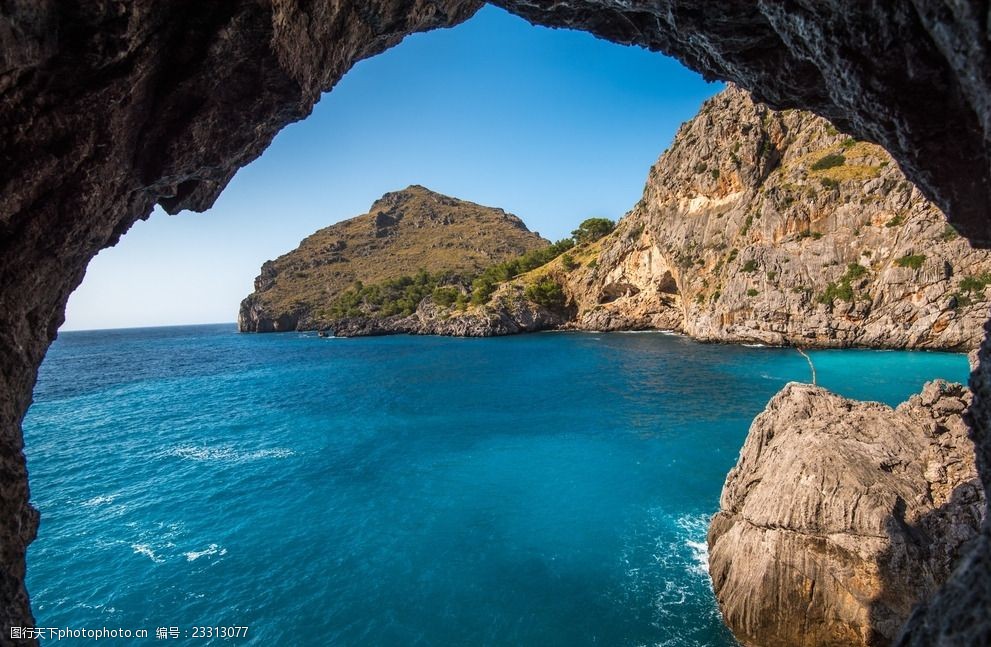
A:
{"x": 840, "y": 516}
{"x": 403, "y": 232}
{"x": 765, "y": 226}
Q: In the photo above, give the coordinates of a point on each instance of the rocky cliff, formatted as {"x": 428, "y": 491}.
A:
{"x": 773, "y": 227}
{"x": 840, "y": 516}
{"x": 757, "y": 226}
{"x": 403, "y": 233}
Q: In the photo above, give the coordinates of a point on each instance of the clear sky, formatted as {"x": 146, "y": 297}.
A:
{"x": 552, "y": 125}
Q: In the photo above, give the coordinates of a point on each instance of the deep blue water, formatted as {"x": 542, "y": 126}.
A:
{"x": 549, "y": 489}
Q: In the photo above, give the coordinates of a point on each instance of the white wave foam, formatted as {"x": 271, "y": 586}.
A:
{"x": 146, "y": 550}
{"x": 700, "y": 557}
{"x": 227, "y": 454}
{"x": 212, "y": 549}
{"x": 99, "y": 500}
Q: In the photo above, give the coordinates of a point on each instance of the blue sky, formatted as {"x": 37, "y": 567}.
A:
{"x": 552, "y": 125}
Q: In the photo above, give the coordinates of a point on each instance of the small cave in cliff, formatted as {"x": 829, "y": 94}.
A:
{"x": 613, "y": 291}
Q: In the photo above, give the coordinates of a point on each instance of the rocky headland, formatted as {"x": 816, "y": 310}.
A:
{"x": 840, "y": 516}
{"x": 404, "y": 233}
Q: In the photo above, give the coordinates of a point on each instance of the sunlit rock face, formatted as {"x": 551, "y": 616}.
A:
{"x": 108, "y": 108}
{"x": 840, "y": 516}
{"x": 768, "y": 226}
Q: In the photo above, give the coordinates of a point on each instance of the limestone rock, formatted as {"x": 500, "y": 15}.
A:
{"x": 841, "y": 516}
{"x": 773, "y": 227}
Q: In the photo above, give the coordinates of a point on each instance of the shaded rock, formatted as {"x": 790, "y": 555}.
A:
{"x": 841, "y": 516}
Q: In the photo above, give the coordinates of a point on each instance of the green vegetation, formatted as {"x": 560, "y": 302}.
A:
{"x": 828, "y": 161}
{"x": 897, "y": 221}
{"x": 949, "y": 233}
{"x": 749, "y": 267}
{"x": 732, "y": 255}
{"x": 392, "y": 297}
{"x": 855, "y": 271}
{"x": 771, "y": 275}
{"x": 592, "y": 229}
{"x": 485, "y": 284}
{"x": 849, "y": 142}
{"x": 746, "y": 224}
{"x": 752, "y": 292}
{"x": 715, "y": 173}
{"x": 401, "y": 296}
{"x": 829, "y": 182}
{"x": 446, "y": 296}
{"x": 971, "y": 289}
{"x": 545, "y": 291}
{"x": 843, "y": 289}
{"x": 972, "y": 284}
{"x": 913, "y": 261}
{"x": 568, "y": 262}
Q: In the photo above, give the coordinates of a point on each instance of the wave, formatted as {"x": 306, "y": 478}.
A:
{"x": 102, "y": 499}
{"x": 226, "y": 453}
{"x": 209, "y": 551}
{"x": 147, "y": 551}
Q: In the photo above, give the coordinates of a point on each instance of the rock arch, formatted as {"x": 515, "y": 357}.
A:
{"x": 109, "y": 108}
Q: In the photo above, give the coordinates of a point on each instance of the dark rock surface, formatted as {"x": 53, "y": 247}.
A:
{"x": 108, "y": 108}
{"x": 840, "y": 516}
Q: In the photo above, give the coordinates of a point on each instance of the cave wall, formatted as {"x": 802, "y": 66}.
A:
{"x": 109, "y": 107}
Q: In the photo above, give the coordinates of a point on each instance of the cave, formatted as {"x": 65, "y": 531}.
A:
{"x": 109, "y": 109}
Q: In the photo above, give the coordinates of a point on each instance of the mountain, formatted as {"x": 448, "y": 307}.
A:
{"x": 404, "y": 233}
{"x": 766, "y": 226}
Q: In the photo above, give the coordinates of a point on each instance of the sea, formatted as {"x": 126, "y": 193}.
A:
{"x": 545, "y": 489}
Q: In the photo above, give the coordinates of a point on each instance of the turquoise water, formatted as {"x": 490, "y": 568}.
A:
{"x": 549, "y": 489}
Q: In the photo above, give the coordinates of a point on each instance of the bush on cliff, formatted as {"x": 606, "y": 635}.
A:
{"x": 545, "y": 291}
{"x": 592, "y": 229}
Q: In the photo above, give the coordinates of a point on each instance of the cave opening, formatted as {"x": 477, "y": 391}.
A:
{"x": 844, "y": 62}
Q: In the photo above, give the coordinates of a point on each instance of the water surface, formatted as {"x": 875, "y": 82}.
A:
{"x": 549, "y": 489}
